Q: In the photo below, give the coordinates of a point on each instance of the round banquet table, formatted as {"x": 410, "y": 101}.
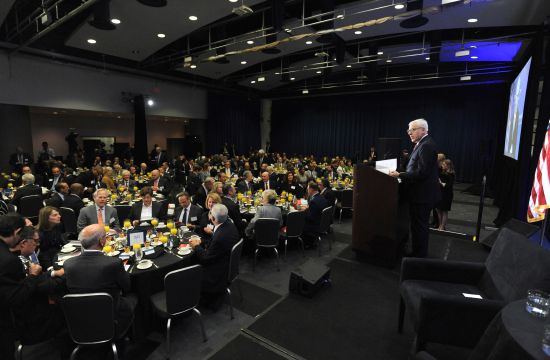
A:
{"x": 513, "y": 334}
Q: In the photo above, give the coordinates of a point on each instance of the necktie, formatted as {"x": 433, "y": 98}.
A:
{"x": 100, "y": 216}
{"x": 184, "y": 217}
{"x": 127, "y": 183}
{"x": 157, "y": 182}
{"x": 267, "y": 185}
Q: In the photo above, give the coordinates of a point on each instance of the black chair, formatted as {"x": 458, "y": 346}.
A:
{"x": 30, "y": 205}
{"x": 432, "y": 290}
{"x": 4, "y": 208}
{"x": 182, "y": 292}
{"x": 123, "y": 212}
{"x": 90, "y": 320}
{"x": 324, "y": 227}
{"x": 346, "y": 203}
{"x": 295, "y": 222}
{"x": 266, "y": 233}
{"x": 68, "y": 218}
{"x": 234, "y": 260}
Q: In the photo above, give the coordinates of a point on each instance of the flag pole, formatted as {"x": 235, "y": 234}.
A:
{"x": 543, "y": 227}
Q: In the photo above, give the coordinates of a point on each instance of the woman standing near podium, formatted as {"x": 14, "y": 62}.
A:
{"x": 446, "y": 181}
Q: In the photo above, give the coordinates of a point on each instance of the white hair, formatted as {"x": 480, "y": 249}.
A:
{"x": 27, "y": 179}
{"x": 422, "y": 123}
{"x": 99, "y": 190}
{"x": 219, "y": 212}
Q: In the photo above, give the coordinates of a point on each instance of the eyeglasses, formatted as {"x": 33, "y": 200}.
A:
{"x": 410, "y": 131}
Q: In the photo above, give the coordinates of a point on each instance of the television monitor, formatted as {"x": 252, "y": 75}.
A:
{"x": 516, "y": 105}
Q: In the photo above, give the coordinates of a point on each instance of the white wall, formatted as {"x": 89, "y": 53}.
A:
{"x": 26, "y": 80}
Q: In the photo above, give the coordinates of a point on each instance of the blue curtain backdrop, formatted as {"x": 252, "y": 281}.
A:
{"x": 466, "y": 122}
{"x": 232, "y": 120}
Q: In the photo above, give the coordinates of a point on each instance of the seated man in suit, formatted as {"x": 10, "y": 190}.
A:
{"x": 100, "y": 213}
{"x": 247, "y": 184}
{"x": 55, "y": 176}
{"x": 229, "y": 200}
{"x": 267, "y": 210}
{"x": 146, "y": 209}
{"x": 127, "y": 182}
{"x": 315, "y": 206}
{"x": 187, "y": 214}
{"x": 61, "y": 190}
{"x": 326, "y": 192}
{"x": 93, "y": 271}
{"x": 215, "y": 258}
{"x": 204, "y": 189}
{"x": 28, "y": 188}
{"x": 158, "y": 183}
{"x": 73, "y": 200}
{"x": 266, "y": 183}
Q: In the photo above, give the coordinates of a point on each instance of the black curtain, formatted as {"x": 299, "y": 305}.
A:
{"x": 233, "y": 120}
{"x": 464, "y": 121}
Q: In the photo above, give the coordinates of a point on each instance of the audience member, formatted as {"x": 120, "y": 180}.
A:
{"x": 51, "y": 235}
{"x": 20, "y": 159}
{"x": 326, "y": 192}
{"x": 28, "y": 188}
{"x": 58, "y": 196}
{"x": 146, "y": 209}
{"x": 314, "y": 208}
{"x": 203, "y": 190}
{"x": 446, "y": 181}
{"x": 74, "y": 199}
{"x": 229, "y": 200}
{"x": 291, "y": 186}
{"x": 187, "y": 213}
{"x": 267, "y": 210}
{"x": 100, "y": 213}
{"x": 206, "y": 226}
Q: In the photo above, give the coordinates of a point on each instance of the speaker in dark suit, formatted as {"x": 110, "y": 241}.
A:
{"x": 93, "y": 271}
{"x": 215, "y": 258}
{"x": 421, "y": 179}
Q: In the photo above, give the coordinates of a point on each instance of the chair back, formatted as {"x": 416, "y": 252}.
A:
{"x": 234, "y": 259}
{"x": 4, "y": 208}
{"x": 30, "y": 205}
{"x": 183, "y": 289}
{"x": 295, "y": 222}
{"x": 515, "y": 265}
{"x": 90, "y": 317}
{"x": 123, "y": 212}
{"x": 347, "y": 198}
{"x": 266, "y": 232}
{"x": 68, "y": 218}
{"x": 326, "y": 219}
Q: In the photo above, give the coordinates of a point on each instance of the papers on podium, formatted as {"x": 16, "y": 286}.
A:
{"x": 386, "y": 166}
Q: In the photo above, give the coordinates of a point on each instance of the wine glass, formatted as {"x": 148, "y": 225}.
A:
{"x": 138, "y": 252}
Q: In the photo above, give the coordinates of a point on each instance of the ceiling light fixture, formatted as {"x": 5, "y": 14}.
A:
{"x": 193, "y": 66}
{"x": 388, "y": 61}
{"x": 115, "y": 21}
{"x": 91, "y": 41}
{"x": 309, "y": 42}
{"x": 292, "y": 79}
{"x": 250, "y": 42}
{"x": 472, "y": 20}
{"x": 319, "y": 72}
{"x": 399, "y": 6}
{"x": 358, "y": 32}
{"x": 380, "y": 53}
{"x": 305, "y": 91}
{"x": 253, "y": 82}
{"x": 474, "y": 57}
{"x": 348, "y": 66}
{"x": 428, "y": 58}
{"x": 193, "y": 18}
{"x": 465, "y": 78}
{"x": 340, "y": 16}
{"x": 233, "y": 1}
{"x": 162, "y": 36}
{"x": 150, "y": 102}
{"x": 261, "y": 78}
{"x": 243, "y": 62}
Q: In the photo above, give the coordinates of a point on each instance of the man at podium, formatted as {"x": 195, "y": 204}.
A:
{"x": 421, "y": 179}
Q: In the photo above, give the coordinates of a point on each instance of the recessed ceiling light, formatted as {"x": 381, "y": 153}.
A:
{"x": 193, "y": 18}
{"x": 288, "y": 30}
{"x": 348, "y": 66}
{"x": 399, "y": 6}
{"x": 292, "y": 79}
{"x": 243, "y": 62}
{"x": 305, "y": 91}
{"x": 253, "y": 82}
{"x": 340, "y": 16}
{"x": 319, "y": 72}
{"x": 91, "y": 41}
{"x": 193, "y": 66}
{"x": 473, "y": 57}
{"x": 428, "y": 58}
{"x": 472, "y": 20}
{"x": 358, "y": 32}
{"x": 162, "y": 36}
{"x": 118, "y": 117}
{"x": 473, "y": 47}
{"x": 233, "y": 0}
{"x": 150, "y": 102}
{"x": 465, "y": 78}
{"x": 309, "y": 42}
{"x": 388, "y": 61}
{"x": 261, "y": 78}
{"x": 250, "y": 42}
{"x": 115, "y": 21}
{"x": 380, "y": 53}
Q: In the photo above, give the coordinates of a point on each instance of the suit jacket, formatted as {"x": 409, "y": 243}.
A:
{"x": 215, "y": 258}
{"x": 234, "y": 212}
{"x": 155, "y": 162}
{"x": 157, "y": 211}
{"x": 193, "y": 217}
{"x": 329, "y": 196}
{"x": 294, "y": 188}
{"x": 272, "y": 185}
{"x": 48, "y": 181}
{"x": 25, "y": 190}
{"x": 131, "y": 184}
{"x": 88, "y": 216}
{"x": 264, "y": 211}
{"x": 95, "y": 272}
{"x": 193, "y": 183}
{"x": 74, "y": 202}
{"x": 164, "y": 185}
{"x": 313, "y": 214}
{"x": 55, "y": 200}
{"x": 422, "y": 174}
{"x": 243, "y": 187}
{"x": 16, "y": 165}
{"x": 200, "y": 196}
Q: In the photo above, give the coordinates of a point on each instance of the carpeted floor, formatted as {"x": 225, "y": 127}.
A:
{"x": 244, "y": 348}
{"x": 255, "y": 299}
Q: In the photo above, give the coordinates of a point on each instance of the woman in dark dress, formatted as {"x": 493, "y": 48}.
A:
{"x": 51, "y": 235}
{"x": 446, "y": 181}
{"x": 292, "y": 186}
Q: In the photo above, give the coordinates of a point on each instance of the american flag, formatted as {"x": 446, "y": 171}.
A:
{"x": 540, "y": 193}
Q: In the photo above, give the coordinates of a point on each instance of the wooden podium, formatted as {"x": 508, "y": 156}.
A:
{"x": 380, "y": 219}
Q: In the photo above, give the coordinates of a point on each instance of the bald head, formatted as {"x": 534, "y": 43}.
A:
{"x": 92, "y": 237}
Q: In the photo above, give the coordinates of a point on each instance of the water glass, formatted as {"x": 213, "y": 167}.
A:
{"x": 538, "y": 303}
{"x": 139, "y": 254}
{"x": 546, "y": 340}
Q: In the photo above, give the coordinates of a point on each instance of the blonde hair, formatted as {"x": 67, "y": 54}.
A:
{"x": 216, "y": 199}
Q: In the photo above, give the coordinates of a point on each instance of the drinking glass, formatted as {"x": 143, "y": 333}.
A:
{"x": 127, "y": 224}
{"x": 138, "y": 252}
{"x": 106, "y": 228}
{"x": 538, "y": 303}
{"x": 170, "y": 224}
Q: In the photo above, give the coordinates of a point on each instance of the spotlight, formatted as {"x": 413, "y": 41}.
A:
{"x": 161, "y": 35}
{"x": 399, "y": 6}
{"x": 472, "y": 20}
{"x": 358, "y": 32}
{"x": 305, "y": 91}
{"x": 193, "y": 18}
{"x": 243, "y": 62}
{"x": 115, "y": 21}
{"x": 250, "y": 42}
{"x": 150, "y": 102}
{"x": 309, "y": 42}
{"x": 91, "y": 41}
